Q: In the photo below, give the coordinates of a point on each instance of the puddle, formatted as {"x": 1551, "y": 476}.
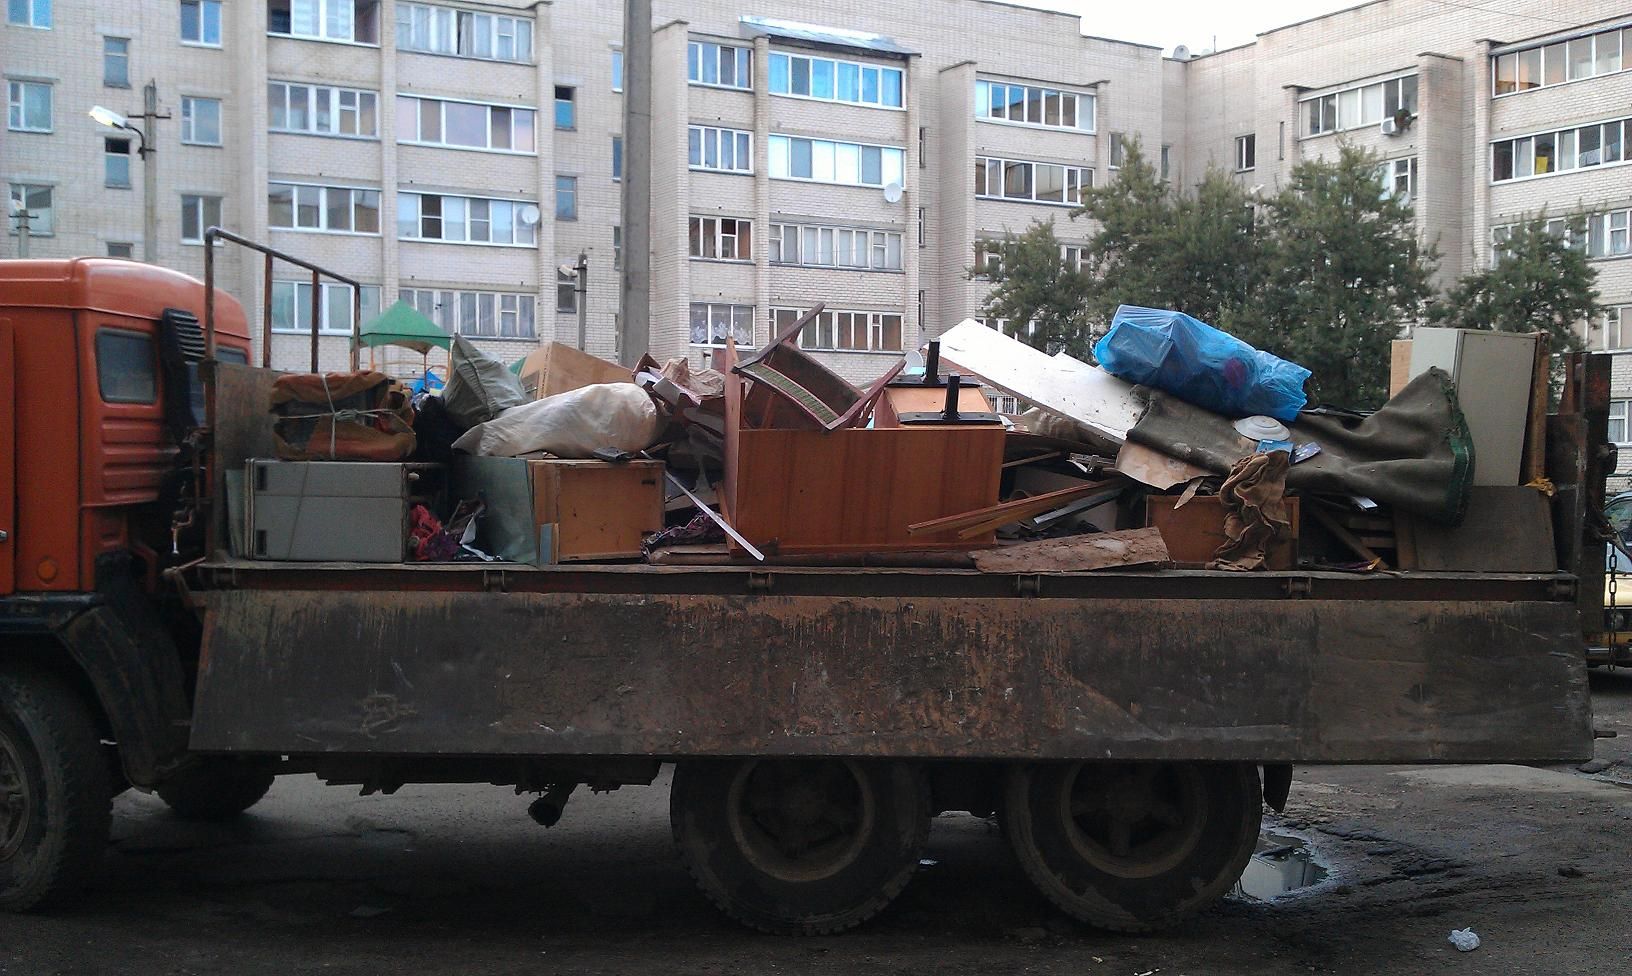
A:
{"x": 1282, "y": 864}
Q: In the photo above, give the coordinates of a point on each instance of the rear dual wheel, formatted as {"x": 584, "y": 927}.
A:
{"x": 1133, "y": 846}
{"x": 800, "y": 847}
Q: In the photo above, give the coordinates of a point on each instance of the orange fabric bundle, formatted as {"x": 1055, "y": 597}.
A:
{"x": 341, "y": 417}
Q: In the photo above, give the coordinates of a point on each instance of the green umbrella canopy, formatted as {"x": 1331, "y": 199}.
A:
{"x": 403, "y": 325}
{"x": 515, "y": 367}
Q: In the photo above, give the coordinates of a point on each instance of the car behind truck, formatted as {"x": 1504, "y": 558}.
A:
{"x": 1127, "y": 727}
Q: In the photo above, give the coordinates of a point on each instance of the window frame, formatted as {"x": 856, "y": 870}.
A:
{"x": 781, "y": 67}
{"x": 123, "y": 58}
{"x": 325, "y": 326}
{"x": 984, "y": 95}
{"x": 204, "y": 199}
{"x": 442, "y": 124}
{"x": 189, "y": 121}
{"x": 204, "y": 6}
{"x": 872, "y": 323}
{"x": 441, "y": 18}
{"x": 747, "y": 139}
{"x": 14, "y": 188}
{"x": 571, "y": 103}
{"x": 1390, "y": 171}
{"x": 786, "y": 145}
{"x": 150, "y": 344}
{"x": 1246, "y": 152}
{"x": 324, "y": 206}
{"x": 1624, "y": 408}
{"x": 705, "y": 231}
{"x": 1085, "y": 180}
{"x": 1356, "y": 94}
{"x": 466, "y": 219}
{"x": 322, "y": 19}
{"x": 1521, "y": 148}
{"x": 617, "y": 70}
{"x": 452, "y": 299}
{"x": 108, "y": 156}
{"x": 566, "y": 188}
{"x": 733, "y": 310}
{"x": 1622, "y": 33}
{"x": 740, "y": 53}
{"x": 33, "y": 10}
{"x": 20, "y": 104}
{"x": 336, "y": 110}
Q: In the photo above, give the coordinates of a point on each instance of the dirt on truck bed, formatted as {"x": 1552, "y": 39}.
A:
{"x": 456, "y": 879}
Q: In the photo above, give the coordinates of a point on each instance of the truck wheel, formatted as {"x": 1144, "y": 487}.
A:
{"x": 216, "y": 788}
{"x": 800, "y": 846}
{"x": 1133, "y": 846}
{"x": 55, "y": 803}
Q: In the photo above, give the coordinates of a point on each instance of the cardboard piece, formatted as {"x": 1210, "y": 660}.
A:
{"x": 1149, "y": 466}
{"x": 559, "y": 368}
{"x": 1077, "y": 553}
{"x": 1399, "y": 365}
{"x": 1195, "y": 531}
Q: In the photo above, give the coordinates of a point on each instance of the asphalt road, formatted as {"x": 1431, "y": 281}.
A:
{"x": 457, "y": 880}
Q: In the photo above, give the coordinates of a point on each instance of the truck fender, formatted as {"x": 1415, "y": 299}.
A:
{"x": 1277, "y": 785}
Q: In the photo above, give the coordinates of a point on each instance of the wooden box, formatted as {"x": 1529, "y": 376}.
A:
{"x": 898, "y": 400}
{"x": 597, "y": 510}
{"x": 1193, "y": 533}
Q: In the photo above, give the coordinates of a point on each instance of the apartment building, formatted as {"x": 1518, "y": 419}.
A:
{"x": 458, "y": 154}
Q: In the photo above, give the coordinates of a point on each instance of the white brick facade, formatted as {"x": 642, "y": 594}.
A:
{"x": 1197, "y": 108}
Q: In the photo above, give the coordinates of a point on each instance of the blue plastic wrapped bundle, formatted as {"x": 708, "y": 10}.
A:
{"x": 1190, "y": 359}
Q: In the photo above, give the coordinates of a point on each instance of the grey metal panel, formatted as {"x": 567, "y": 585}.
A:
{"x": 427, "y": 672}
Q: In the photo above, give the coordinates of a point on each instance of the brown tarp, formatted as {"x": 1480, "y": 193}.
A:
{"x": 1415, "y": 453}
{"x": 341, "y": 416}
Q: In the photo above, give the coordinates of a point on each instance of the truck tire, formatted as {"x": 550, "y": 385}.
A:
{"x": 55, "y": 796}
{"x": 1133, "y": 847}
{"x": 800, "y": 847}
{"x": 216, "y": 788}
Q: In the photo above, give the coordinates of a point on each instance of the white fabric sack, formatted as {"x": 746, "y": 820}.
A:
{"x": 570, "y": 425}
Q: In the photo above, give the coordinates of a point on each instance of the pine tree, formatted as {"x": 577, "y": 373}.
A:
{"x": 1541, "y": 282}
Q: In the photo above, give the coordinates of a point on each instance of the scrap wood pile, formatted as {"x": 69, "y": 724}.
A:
{"x": 1185, "y": 447}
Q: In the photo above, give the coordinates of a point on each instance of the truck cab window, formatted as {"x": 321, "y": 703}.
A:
{"x": 195, "y": 386}
{"x": 126, "y": 366}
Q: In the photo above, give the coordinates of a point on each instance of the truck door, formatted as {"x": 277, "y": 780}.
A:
{"x": 8, "y": 459}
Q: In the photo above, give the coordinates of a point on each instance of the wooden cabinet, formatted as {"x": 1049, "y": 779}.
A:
{"x": 597, "y": 510}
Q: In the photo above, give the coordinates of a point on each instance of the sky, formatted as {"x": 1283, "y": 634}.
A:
{"x": 1195, "y": 23}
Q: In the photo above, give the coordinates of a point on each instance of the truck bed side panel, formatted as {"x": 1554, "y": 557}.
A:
{"x": 1307, "y": 681}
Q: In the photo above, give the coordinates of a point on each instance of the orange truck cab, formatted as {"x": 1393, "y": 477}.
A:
{"x": 100, "y": 406}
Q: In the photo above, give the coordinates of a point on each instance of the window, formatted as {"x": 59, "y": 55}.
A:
{"x": 719, "y": 64}
{"x": 566, "y": 198}
{"x": 466, "y": 220}
{"x": 1618, "y": 433}
{"x": 617, "y": 70}
{"x": 1052, "y": 108}
{"x": 201, "y": 22}
{"x": 842, "y": 330}
{"x": 465, "y": 33}
{"x": 1074, "y": 257}
{"x": 126, "y": 367}
{"x": 350, "y": 21}
{"x": 712, "y": 324}
{"x": 617, "y": 157}
{"x": 1607, "y": 234}
{"x": 464, "y": 125}
{"x": 726, "y": 150}
{"x": 198, "y": 214}
{"x": 116, "y": 62}
{"x": 28, "y": 106}
{"x": 844, "y": 163}
{"x": 484, "y": 314}
{"x": 116, "y": 163}
{"x": 617, "y": 248}
{"x": 333, "y": 209}
{"x": 1399, "y": 179}
{"x": 201, "y": 121}
{"x": 1618, "y": 327}
{"x": 29, "y": 13}
{"x": 834, "y": 80}
{"x": 320, "y": 110}
{"x": 1546, "y": 153}
{"x": 1597, "y": 54}
{"x": 1116, "y": 150}
{"x": 121, "y": 249}
{"x": 721, "y": 238}
{"x": 988, "y": 260}
{"x": 565, "y": 116}
{"x": 1360, "y": 105}
{"x": 292, "y": 306}
{"x": 1008, "y": 179}
{"x": 1166, "y": 166}
{"x": 37, "y": 201}
{"x": 566, "y": 291}
{"x": 1246, "y": 152}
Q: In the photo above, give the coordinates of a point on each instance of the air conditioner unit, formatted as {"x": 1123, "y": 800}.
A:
{"x": 1390, "y": 127}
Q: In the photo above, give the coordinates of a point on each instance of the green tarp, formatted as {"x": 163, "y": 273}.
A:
{"x": 403, "y": 325}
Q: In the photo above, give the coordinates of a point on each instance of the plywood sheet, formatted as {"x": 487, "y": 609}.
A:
{"x": 1506, "y": 530}
{"x": 1077, "y": 553}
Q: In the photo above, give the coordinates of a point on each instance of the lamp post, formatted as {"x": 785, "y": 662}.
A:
{"x": 580, "y": 288}
{"x": 19, "y": 209}
{"x": 145, "y": 148}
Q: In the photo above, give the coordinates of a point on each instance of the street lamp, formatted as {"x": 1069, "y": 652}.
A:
{"x": 145, "y": 148}
{"x": 580, "y": 288}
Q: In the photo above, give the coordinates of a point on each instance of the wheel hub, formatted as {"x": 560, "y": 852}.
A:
{"x": 1134, "y": 820}
{"x": 15, "y": 805}
{"x": 800, "y": 820}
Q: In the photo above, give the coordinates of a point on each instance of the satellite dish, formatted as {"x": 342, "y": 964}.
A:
{"x": 1181, "y": 53}
{"x": 892, "y": 192}
{"x": 529, "y": 215}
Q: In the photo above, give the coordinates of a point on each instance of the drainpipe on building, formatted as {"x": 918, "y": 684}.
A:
{"x": 634, "y": 290}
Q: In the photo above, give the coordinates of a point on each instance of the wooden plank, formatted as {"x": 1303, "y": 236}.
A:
{"x": 1059, "y": 385}
{"x": 1399, "y": 365}
{"x": 1077, "y": 553}
{"x": 1534, "y": 465}
{"x": 904, "y": 675}
{"x": 1010, "y": 511}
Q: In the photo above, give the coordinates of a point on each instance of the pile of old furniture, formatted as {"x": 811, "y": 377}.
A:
{"x": 1182, "y": 448}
